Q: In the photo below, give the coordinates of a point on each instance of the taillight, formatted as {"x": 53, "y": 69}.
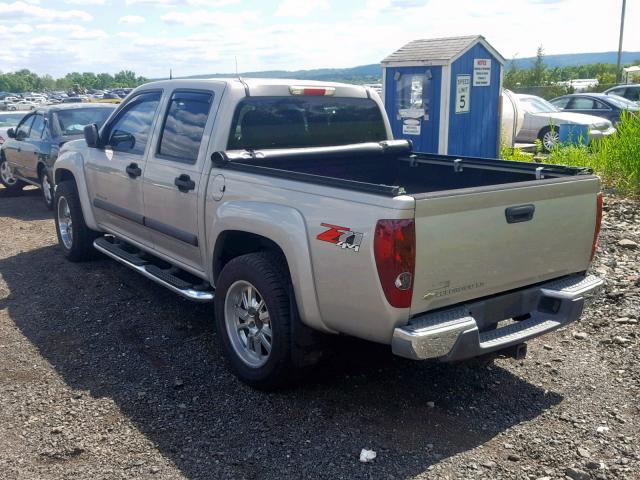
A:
{"x": 394, "y": 247}
{"x": 596, "y": 233}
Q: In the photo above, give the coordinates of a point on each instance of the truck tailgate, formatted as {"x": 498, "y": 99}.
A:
{"x": 466, "y": 247}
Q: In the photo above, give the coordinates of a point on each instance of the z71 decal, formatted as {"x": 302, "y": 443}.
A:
{"x": 342, "y": 237}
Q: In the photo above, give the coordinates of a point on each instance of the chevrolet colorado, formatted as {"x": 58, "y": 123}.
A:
{"x": 289, "y": 205}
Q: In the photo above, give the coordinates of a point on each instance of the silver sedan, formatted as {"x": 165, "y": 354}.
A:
{"x": 540, "y": 117}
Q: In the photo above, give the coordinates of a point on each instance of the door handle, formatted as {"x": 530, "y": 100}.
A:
{"x": 133, "y": 170}
{"x": 184, "y": 183}
{"x": 520, "y": 213}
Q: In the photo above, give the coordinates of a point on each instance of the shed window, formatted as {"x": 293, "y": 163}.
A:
{"x": 410, "y": 97}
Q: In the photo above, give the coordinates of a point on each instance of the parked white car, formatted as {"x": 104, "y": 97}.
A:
{"x": 21, "y": 105}
{"x": 540, "y": 118}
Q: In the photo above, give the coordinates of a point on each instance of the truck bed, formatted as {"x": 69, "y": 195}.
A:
{"x": 389, "y": 168}
{"x": 482, "y": 226}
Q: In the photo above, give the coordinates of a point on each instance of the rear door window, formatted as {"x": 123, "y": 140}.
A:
{"x": 184, "y": 126}
{"x": 581, "y": 103}
{"x": 37, "y": 127}
{"x": 296, "y": 122}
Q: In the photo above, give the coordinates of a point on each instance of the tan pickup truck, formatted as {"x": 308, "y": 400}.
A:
{"x": 289, "y": 205}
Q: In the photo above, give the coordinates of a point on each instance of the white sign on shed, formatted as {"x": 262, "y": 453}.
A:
{"x": 463, "y": 93}
{"x": 481, "y": 72}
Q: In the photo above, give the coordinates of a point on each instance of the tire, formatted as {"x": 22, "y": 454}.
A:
{"x": 265, "y": 274}
{"x": 74, "y": 237}
{"x": 6, "y": 177}
{"x": 46, "y": 186}
{"x": 549, "y": 137}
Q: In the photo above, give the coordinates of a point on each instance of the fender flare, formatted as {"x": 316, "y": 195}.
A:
{"x": 73, "y": 161}
{"x": 286, "y": 227}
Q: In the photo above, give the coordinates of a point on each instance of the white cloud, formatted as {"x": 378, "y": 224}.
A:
{"x": 209, "y": 18}
{"x": 131, "y": 20}
{"x": 27, "y": 12}
{"x": 183, "y": 3}
{"x": 85, "y": 2}
{"x": 297, "y": 8}
{"x": 88, "y": 34}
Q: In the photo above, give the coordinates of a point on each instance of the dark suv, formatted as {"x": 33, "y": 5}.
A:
{"x": 27, "y": 156}
{"x": 630, "y": 92}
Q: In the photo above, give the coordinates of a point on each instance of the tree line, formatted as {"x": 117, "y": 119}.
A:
{"x": 27, "y": 81}
{"x": 540, "y": 74}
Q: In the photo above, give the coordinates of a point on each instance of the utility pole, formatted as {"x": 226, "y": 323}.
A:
{"x": 618, "y": 69}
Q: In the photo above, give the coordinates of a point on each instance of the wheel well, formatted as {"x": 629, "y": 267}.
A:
{"x": 233, "y": 243}
{"x": 62, "y": 175}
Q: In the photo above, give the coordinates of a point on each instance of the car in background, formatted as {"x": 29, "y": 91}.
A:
{"x": 72, "y": 100}
{"x": 597, "y": 104}
{"x": 21, "y": 105}
{"x": 28, "y": 154}
{"x": 542, "y": 119}
{"x": 8, "y": 120}
{"x": 630, "y": 92}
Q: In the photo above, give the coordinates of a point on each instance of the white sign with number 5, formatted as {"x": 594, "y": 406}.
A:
{"x": 463, "y": 93}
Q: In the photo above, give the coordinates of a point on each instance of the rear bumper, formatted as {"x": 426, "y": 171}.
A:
{"x": 467, "y": 331}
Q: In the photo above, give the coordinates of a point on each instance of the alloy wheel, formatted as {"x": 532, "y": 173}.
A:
{"x": 65, "y": 223}
{"x": 248, "y": 323}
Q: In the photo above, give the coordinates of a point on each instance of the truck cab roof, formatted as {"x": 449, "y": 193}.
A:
{"x": 259, "y": 87}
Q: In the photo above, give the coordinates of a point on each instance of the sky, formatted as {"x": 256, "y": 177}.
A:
{"x": 207, "y": 36}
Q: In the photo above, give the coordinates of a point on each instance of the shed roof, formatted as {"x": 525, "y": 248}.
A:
{"x": 438, "y": 49}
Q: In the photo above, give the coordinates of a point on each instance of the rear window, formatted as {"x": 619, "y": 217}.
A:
{"x": 72, "y": 122}
{"x": 296, "y": 122}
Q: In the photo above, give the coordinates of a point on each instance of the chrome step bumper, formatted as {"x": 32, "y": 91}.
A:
{"x": 454, "y": 334}
{"x": 152, "y": 272}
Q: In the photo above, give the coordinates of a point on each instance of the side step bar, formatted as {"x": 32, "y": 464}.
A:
{"x": 161, "y": 276}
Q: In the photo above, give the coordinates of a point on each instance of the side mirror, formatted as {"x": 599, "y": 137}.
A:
{"x": 11, "y": 133}
{"x": 91, "y": 135}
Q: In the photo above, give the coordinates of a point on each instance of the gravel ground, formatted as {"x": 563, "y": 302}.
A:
{"x": 104, "y": 375}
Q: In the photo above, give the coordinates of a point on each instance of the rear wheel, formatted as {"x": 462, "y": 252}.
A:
{"x": 256, "y": 320}
{"x": 6, "y": 176}
{"x": 549, "y": 137}
{"x": 47, "y": 189}
{"x": 75, "y": 238}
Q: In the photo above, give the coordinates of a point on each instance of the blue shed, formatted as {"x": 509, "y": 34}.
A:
{"x": 443, "y": 94}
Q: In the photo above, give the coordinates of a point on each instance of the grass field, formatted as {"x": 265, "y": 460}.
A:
{"x": 616, "y": 159}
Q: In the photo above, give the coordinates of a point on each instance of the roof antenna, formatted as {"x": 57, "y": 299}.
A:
{"x": 246, "y": 87}
{"x": 170, "y": 74}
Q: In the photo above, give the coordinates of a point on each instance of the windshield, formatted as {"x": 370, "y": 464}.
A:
{"x": 622, "y": 102}
{"x": 296, "y": 122}
{"x": 10, "y": 119}
{"x": 537, "y": 105}
{"x": 72, "y": 122}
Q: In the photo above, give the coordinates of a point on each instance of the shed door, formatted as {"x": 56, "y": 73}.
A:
{"x": 413, "y": 105}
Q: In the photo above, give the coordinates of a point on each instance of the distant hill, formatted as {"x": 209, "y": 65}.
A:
{"x": 574, "y": 59}
{"x": 362, "y": 74}
{"x": 373, "y": 73}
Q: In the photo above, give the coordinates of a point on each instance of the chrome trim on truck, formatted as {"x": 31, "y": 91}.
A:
{"x": 190, "y": 293}
{"x": 454, "y": 333}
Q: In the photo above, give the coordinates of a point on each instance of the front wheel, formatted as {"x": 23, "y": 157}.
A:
{"x": 254, "y": 320}
{"x": 549, "y": 137}
{"x": 75, "y": 238}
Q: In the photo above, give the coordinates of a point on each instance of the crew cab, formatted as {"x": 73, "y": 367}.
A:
{"x": 31, "y": 148}
{"x": 289, "y": 205}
